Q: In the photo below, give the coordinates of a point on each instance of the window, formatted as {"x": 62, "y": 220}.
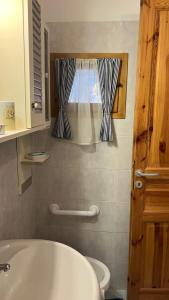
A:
{"x": 86, "y": 87}
{"x": 84, "y": 107}
{"x": 119, "y": 111}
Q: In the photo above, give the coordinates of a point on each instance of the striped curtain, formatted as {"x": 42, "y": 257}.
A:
{"x": 108, "y": 76}
{"x": 65, "y": 72}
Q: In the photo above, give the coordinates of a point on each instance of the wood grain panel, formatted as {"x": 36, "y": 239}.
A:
{"x": 165, "y": 266}
{"x": 159, "y": 147}
{"x": 142, "y": 111}
{"x": 148, "y": 249}
{"x": 160, "y": 4}
{"x": 149, "y": 236}
{"x": 158, "y": 248}
{"x": 152, "y": 203}
{"x": 150, "y": 295}
{"x": 155, "y": 251}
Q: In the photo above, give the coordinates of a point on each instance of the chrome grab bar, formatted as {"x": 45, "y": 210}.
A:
{"x": 140, "y": 173}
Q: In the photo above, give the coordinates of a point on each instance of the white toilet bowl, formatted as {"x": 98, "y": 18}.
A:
{"x": 102, "y": 273}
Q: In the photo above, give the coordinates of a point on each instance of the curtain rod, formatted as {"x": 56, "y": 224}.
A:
{"x": 89, "y": 55}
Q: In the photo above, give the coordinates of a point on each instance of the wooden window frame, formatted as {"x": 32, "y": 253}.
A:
{"x": 119, "y": 110}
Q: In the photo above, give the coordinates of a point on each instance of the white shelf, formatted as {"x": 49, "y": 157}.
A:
{"x": 10, "y": 135}
{"x": 35, "y": 162}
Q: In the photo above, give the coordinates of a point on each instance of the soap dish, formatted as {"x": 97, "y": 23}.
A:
{"x": 35, "y": 158}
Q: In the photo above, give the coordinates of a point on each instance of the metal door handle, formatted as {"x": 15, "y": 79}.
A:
{"x": 140, "y": 173}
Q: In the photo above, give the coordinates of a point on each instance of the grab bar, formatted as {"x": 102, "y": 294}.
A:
{"x": 92, "y": 212}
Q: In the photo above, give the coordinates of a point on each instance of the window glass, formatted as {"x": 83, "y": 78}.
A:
{"x": 86, "y": 87}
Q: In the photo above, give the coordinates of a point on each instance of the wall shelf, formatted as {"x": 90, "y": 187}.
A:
{"x": 24, "y": 146}
{"x": 35, "y": 162}
{"x": 10, "y": 135}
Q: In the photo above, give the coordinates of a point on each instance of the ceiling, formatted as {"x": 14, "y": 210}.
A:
{"x": 91, "y": 10}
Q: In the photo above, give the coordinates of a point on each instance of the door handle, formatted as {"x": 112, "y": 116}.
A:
{"x": 140, "y": 173}
{"x": 36, "y": 106}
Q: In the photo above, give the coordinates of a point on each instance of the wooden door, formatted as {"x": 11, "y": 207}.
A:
{"x": 149, "y": 233}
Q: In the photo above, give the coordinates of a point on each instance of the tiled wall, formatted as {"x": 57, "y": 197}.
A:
{"x": 76, "y": 177}
{"x": 17, "y": 213}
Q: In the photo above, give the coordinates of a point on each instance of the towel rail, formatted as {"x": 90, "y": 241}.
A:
{"x": 92, "y": 212}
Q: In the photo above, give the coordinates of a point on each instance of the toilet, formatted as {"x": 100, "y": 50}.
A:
{"x": 102, "y": 273}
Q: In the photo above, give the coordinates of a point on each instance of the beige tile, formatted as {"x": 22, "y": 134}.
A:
{"x": 120, "y": 246}
{"x": 97, "y": 245}
{"x": 111, "y": 156}
{"x": 112, "y": 218}
{"x": 93, "y": 184}
{"x": 16, "y": 214}
{"x": 124, "y": 127}
{"x": 123, "y": 186}
{"x": 119, "y": 274}
{"x": 121, "y": 218}
{"x": 103, "y": 222}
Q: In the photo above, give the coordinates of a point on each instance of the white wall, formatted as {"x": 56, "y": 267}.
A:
{"x": 91, "y": 10}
